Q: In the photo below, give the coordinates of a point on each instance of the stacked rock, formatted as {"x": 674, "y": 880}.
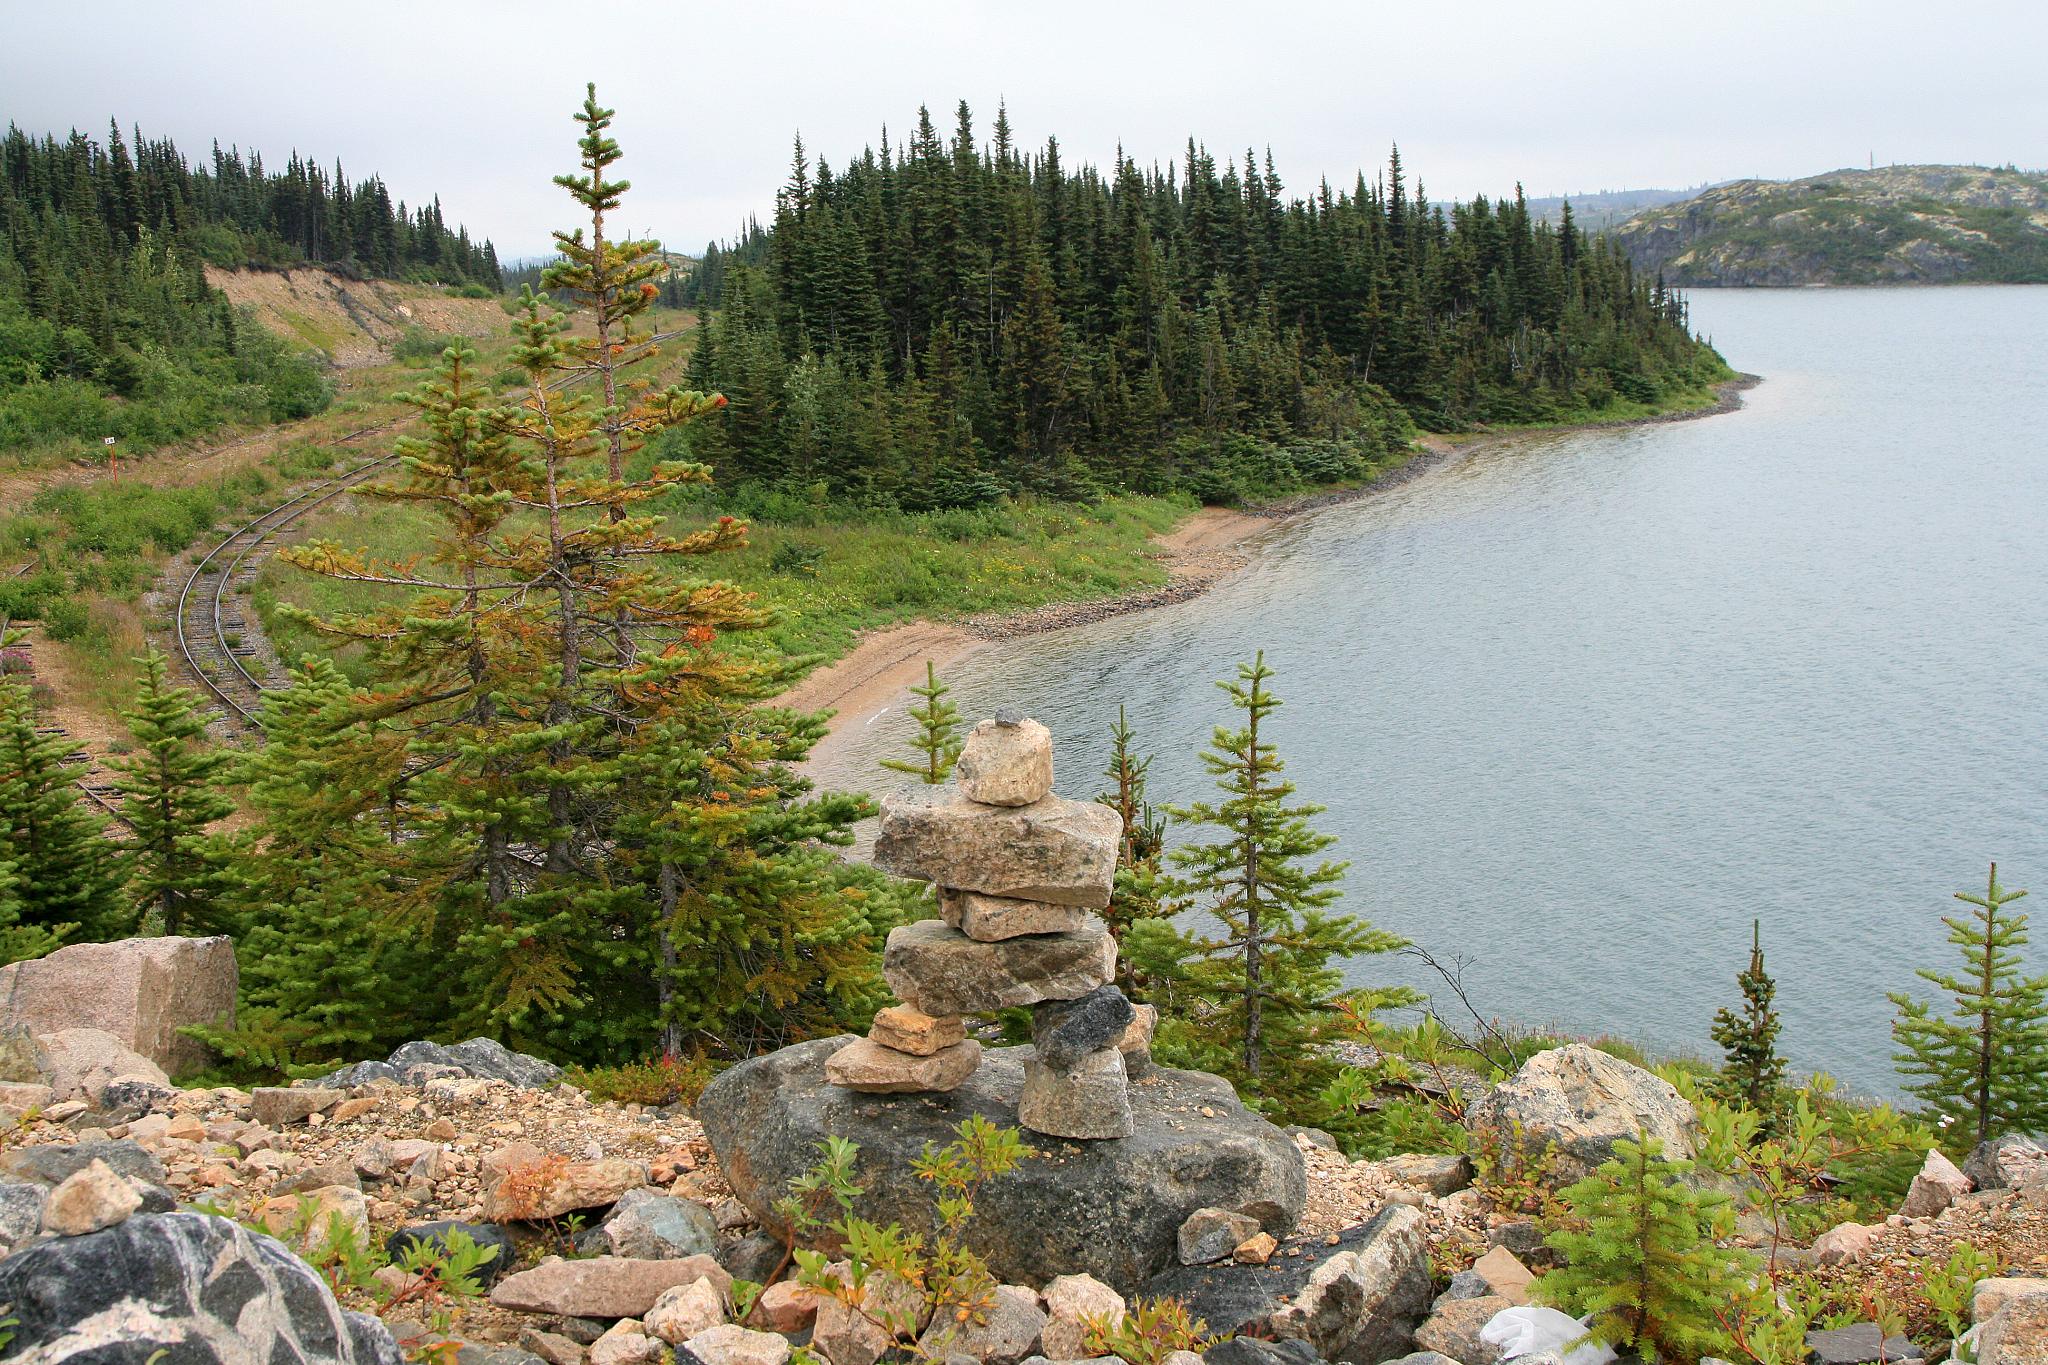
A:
{"x": 1020, "y": 873}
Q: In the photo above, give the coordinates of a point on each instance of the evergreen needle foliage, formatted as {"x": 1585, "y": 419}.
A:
{"x": 64, "y": 880}
{"x": 1753, "y": 1074}
{"x": 1136, "y": 893}
{"x": 177, "y": 870}
{"x": 1641, "y": 1266}
{"x": 1271, "y": 985}
{"x": 938, "y": 733}
{"x": 1987, "y": 1062}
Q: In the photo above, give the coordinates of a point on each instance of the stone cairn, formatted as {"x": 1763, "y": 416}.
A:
{"x": 1020, "y": 874}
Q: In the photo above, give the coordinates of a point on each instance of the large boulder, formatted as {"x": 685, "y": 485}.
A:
{"x": 1051, "y": 850}
{"x": 2017, "y": 1334}
{"x": 1359, "y": 1300}
{"x": 2008, "y": 1163}
{"x": 1111, "y": 1208}
{"x": 482, "y": 1059}
{"x": 140, "y": 990}
{"x": 180, "y": 1289}
{"x": 1582, "y": 1101}
{"x": 80, "y": 1063}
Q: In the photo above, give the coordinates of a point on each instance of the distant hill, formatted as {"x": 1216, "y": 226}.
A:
{"x": 1894, "y": 225}
{"x": 1603, "y": 209}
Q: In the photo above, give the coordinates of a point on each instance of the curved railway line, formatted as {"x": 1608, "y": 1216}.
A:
{"x": 210, "y": 637}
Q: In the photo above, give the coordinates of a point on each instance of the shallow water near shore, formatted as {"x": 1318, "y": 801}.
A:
{"x": 1582, "y": 705}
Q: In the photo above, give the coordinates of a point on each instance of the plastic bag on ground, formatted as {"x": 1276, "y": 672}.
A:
{"x": 1542, "y": 1331}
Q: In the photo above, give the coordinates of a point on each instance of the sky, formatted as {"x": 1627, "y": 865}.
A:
{"x": 471, "y": 101}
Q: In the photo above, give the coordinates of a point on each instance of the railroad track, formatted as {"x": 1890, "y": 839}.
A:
{"x": 211, "y": 634}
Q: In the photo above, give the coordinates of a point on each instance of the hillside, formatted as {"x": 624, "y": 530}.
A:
{"x": 1895, "y": 225}
{"x": 353, "y": 322}
{"x": 1602, "y": 209}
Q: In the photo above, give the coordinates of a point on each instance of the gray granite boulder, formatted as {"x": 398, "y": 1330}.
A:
{"x": 1583, "y": 1101}
{"x": 1110, "y": 1208}
{"x": 53, "y": 1163}
{"x": 1052, "y": 850}
{"x": 483, "y": 1059}
{"x": 652, "y": 1225}
{"x": 2008, "y": 1163}
{"x": 180, "y": 1289}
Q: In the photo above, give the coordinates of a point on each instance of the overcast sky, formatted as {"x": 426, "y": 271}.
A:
{"x": 471, "y": 100}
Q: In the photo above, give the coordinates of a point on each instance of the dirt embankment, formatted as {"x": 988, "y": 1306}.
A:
{"x": 355, "y": 322}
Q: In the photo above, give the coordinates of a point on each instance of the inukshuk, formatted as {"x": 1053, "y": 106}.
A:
{"x": 1020, "y": 873}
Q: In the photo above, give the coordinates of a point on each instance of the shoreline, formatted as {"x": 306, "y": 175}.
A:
{"x": 862, "y": 685}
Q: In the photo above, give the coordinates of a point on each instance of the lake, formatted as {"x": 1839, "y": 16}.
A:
{"x": 1581, "y": 706}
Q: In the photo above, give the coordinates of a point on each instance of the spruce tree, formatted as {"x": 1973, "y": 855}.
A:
{"x": 1986, "y": 1063}
{"x": 1752, "y": 1074}
{"x": 1272, "y": 985}
{"x": 938, "y": 733}
{"x": 178, "y": 872}
{"x": 1135, "y": 896}
{"x": 1640, "y": 1263}
{"x": 67, "y": 882}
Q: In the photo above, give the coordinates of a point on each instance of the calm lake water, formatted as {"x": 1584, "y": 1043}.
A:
{"x": 1582, "y": 706}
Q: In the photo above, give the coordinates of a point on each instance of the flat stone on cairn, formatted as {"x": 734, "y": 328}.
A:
{"x": 991, "y": 919}
{"x": 942, "y": 971}
{"x": 867, "y": 1065}
{"x": 915, "y": 1032}
{"x": 1090, "y": 1099}
{"x": 1051, "y": 850}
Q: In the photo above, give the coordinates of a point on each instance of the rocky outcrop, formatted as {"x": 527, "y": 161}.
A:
{"x": 2012, "y": 1162}
{"x": 1359, "y": 1300}
{"x": 177, "y": 1288}
{"x": 479, "y": 1059}
{"x": 1581, "y": 1101}
{"x": 140, "y": 990}
{"x": 1111, "y": 1208}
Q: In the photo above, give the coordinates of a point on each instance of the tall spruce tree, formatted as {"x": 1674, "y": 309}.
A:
{"x": 178, "y": 870}
{"x": 1272, "y": 984}
{"x": 1987, "y": 1062}
{"x": 938, "y": 738}
{"x": 1640, "y": 1264}
{"x": 1752, "y": 1072}
{"x": 67, "y": 883}
{"x": 1135, "y": 896}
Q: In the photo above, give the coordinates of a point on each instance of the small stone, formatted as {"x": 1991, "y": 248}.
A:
{"x": 1843, "y": 1243}
{"x": 1136, "y": 1044}
{"x": 88, "y": 1200}
{"x": 349, "y": 1110}
{"x": 551, "y": 1347}
{"x": 1453, "y": 1330}
{"x": 1070, "y": 1302}
{"x": 730, "y": 1344}
{"x": 850, "y": 1337}
{"x": 1008, "y": 1333}
{"x": 626, "y": 1344}
{"x": 1439, "y": 1175}
{"x": 276, "y": 1106}
{"x": 1065, "y": 1031}
{"x": 311, "y": 1221}
{"x": 866, "y": 1065}
{"x": 1505, "y": 1275}
{"x": 913, "y": 1031}
{"x": 1211, "y": 1234}
{"x": 786, "y": 1307}
{"x": 65, "y": 1109}
{"x": 602, "y": 1286}
{"x": 549, "y": 1188}
{"x": 1862, "y": 1344}
{"x": 1006, "y": 764}
{"x": 185, "y": 1128}
{"x": 651, "y": 1225}
{"x": 1052, "y": 850}
{"x": 940, "y": 970}
{"x": 1093, "y": 1100}
{"x": 682, "y": 1312}
{"x": 991, "y": 919}
{"x": 441, "y": 1130}
{"x": 1938, "y": 1185}
{"x": 1256, "y": 1249}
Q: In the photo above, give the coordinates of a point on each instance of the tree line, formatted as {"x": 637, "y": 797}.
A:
{"x": 941, "y": 321}
{"x": 103, "y": 293}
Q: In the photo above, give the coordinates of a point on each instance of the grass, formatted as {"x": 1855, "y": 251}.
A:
{"x": 829, "y": 572}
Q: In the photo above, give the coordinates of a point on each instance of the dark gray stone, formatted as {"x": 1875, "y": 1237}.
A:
{"x": 652, "y": 1225}
{"x": 129, "y": 1098}
{"x": 2008, "y": 1162}
{"x": 1466, "y": 1284}
{"x": 1358, "y": 1301}
{"x": 480, "y": 1058}
{"x": 1253, "y": 1351}
{"x": 1065, "y": 1031}
{"x": 55, "y": 1162}
{"x": 1524, "y": 1238}
{"x": 1111, "y": 1208}
{"x": 362, "y": 1073}
{"x": 21, "y": 1210}
{"x": 753, "y": 1257}
{"x": 483, "y": 1234}
{"x": 1863, "y": 1344}
{"x": 181, "y": 1289}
